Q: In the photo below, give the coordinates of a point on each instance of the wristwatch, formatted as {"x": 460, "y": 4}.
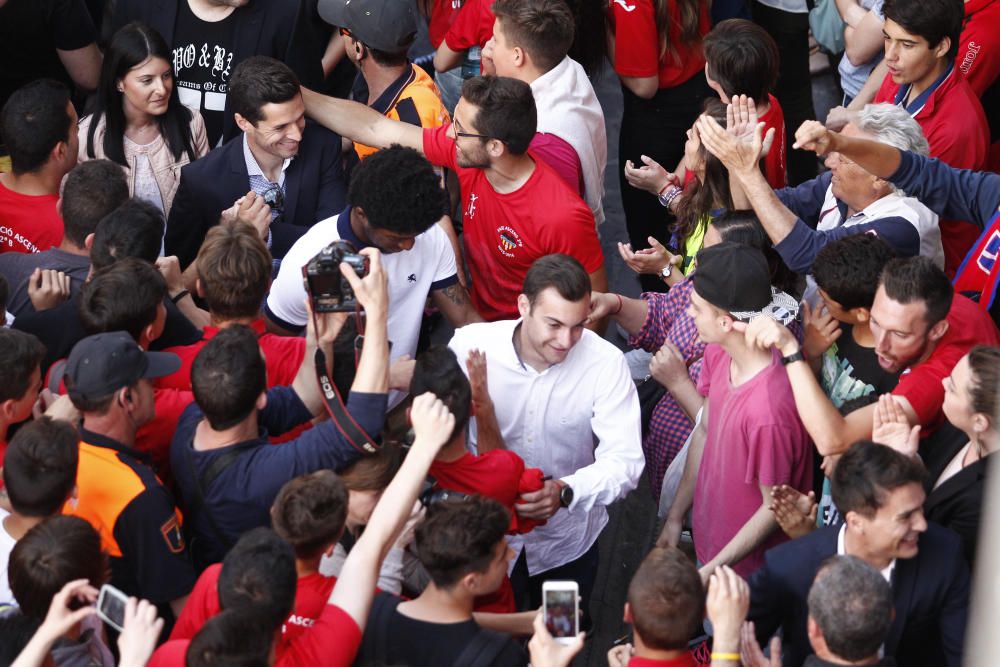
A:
{"x": 792, "y": 358}
{"x": 566, "y": 495}
{"x": 666, "y": 271}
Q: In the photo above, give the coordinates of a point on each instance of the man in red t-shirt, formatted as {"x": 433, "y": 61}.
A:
{"x": 495, "y": 472}
{"x": 309, "y": 513}
{"x": 516, "y": 208}
{"x": 234, "y": 274}
{"x": 39, "y": 128}
{"x": 921, "y": 327}
{"x": 922, "y": 39}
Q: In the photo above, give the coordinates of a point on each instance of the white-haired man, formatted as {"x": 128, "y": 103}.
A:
{"x": 845, "y": 200}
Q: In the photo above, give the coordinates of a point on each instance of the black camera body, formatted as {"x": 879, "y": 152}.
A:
{"x": 328, "y": 289}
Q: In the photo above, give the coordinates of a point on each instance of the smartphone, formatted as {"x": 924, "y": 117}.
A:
{"x": 111, "y": 606}
{"x": 561, "y": 609}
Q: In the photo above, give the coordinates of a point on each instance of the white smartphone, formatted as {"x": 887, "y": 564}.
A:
{"x": 561, "y": 609}
{"x": 111, "y": 606}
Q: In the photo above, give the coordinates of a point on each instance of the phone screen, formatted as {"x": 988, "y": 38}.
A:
{"x": 112, "y": 608}
{"x": 560, "y": 612}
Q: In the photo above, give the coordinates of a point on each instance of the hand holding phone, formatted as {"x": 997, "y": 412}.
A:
{"x": 561, "y": 609}
{"x": 111, "y": 604}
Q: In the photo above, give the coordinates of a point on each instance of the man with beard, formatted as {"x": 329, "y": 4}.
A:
{"x": 921, "y": 328}
{"x": 516, "y": 208}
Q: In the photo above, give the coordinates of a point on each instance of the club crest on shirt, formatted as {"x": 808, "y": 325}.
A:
{"x": 171, "y": 531}
{"x": 988, "y": 256}
{"x": 628, "y": 8}
{"x": 509, "y": 240}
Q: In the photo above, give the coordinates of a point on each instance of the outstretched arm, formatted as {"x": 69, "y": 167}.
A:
{"x": 360, "y": 123}
{"x": 874, "y": 157}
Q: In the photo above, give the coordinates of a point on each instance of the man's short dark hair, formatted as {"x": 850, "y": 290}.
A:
{"x": 867, "y": 473}
{"x": 231, "y": 638}
{"x": 234, "y": 267}
{"x": 228, "y": 376}
{"x": 49, "y": 556}
{"x": 667, "y": 599}
{"x": 398, "y": 191}
{"x": 910, "y": 279}
{"x": 931, "y": 19}
{"x": 310, "y": 511}
{"x": 742, "y": 58}
{"x": 34, "y": 120}
{"x": 848, "y": 270}
{"x": 259, "y": 81}
{"x": 92, "y": 191}
{"x": 39, "y": 469}
{"x": 458, "y": 537}
{"x": 562, "y": 273}
{"x": 125, "y": 296}
{"x": 20, "y": 356}
{"x": 438, "y": 371}
{"x": 505, "y": 110}
{"x": 134, "y": 229}
{"x": 851, "y": 603}
{"x": 258, "y": 575}
{"x": 543, "y": 28}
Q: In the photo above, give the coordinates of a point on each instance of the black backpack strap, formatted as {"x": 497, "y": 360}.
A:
{"x": 485, "y": 647}
{"x": 376, "y": 638}
{"x": 205, "y": 480}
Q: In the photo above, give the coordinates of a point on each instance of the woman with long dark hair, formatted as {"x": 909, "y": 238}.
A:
{"x": 139, "y": 121}
{"x": 656, "y": 49}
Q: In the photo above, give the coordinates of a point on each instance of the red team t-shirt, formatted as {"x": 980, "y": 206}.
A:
{"x": 311, "y": 596}
{"x": 774, "y": 162}
{"x": 637, "y": 44}
{"x": 506, "y": 233}
{"x": 472, "y": 25}
{"x": 28, "y": 223}
{"x": 968, "y": 326}
{"x": 282, "y": 357}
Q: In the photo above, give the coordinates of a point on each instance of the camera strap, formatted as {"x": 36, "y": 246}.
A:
{"x": 342, "y": 419}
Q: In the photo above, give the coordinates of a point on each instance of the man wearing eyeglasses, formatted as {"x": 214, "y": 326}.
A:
{"x": 516, "y": 208}
{"x": 282, "y": 173}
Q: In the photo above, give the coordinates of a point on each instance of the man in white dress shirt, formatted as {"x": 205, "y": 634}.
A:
{"x": 565, "y": 402}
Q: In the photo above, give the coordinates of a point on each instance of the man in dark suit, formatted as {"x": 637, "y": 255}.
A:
{"x": 293, "y": 165}
{"x": 880, "y": 494}
{"x": 211, "y": 37}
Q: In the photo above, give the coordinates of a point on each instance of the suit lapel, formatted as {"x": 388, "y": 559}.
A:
{"x": 904, "y": 578}
{"x": 293, "y": 183}
{"x": 956, "y": 484}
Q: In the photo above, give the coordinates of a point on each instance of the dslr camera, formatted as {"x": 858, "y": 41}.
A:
{"x": 328, "y": 289}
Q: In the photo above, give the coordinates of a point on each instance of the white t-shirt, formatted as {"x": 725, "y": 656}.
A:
{"x": 412, "y": 274}
{"x": 6, "y": 546}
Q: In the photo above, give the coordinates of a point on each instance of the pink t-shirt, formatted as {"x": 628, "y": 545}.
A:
{"x": 561, "y": 156}
{"x": 754, "y": 437}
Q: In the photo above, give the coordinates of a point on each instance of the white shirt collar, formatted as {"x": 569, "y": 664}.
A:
{"x": 841, "y": 551}
{"x": 253, "y": 169}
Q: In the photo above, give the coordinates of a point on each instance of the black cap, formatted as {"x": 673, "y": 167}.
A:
{"x": 736, "y": 278}
{"x": 386, "y": 25}
{"x": 101, "y": 364}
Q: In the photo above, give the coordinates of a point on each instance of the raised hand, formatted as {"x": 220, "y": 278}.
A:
{"x": 794, "y": 511}
{"x": 478, "y": 380}
{"x": 813, "y": 136}
{"x": 372, "y": 290}
{"x": 891, "y": 427}
{"x": 821, "y": 330}
{"x": 668, "y": 366}
{"x": 432, "y": 422}
{"x": 47, "y": 288}
{"x": 765, "y": 332}
{"x": 651, "y": 177}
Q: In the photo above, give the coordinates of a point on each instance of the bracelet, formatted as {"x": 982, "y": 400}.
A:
{"x": 733, "y": 657}
{"x": 793, "y": 357}
{"x": 664, "y": 188}
{"x": 670, "y": 196}
{"x": 620, "y": 304}
{"x": 180, "y": 295}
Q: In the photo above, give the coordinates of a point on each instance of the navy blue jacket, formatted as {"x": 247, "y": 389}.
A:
{"x": 315, "y": 189}
{"x": 954, "y": 194}
{"x": 240, "y": 497}
{"x": 803, "y": 243}
{"x": 930, "y": 591}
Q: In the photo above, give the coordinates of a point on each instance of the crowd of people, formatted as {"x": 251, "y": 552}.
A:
{"x": 310, "y": 351}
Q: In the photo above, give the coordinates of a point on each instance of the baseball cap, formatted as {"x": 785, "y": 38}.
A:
{"x": 735, "y": 277}
{"x": 386, "y": 25}
{"x": 101, "y": 364}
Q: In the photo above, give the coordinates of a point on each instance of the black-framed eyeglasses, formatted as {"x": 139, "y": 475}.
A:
{"x": 471, "y": 135}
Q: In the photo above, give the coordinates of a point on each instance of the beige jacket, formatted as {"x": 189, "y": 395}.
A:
{"x": 166, "y": 170}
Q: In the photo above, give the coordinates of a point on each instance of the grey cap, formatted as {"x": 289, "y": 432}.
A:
{"x": 386, "y": 25}
{"x": 101, "y": 364}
